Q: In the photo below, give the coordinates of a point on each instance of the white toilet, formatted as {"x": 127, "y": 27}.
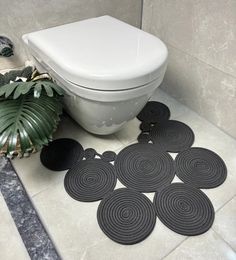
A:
{"x": 108, "y": 68}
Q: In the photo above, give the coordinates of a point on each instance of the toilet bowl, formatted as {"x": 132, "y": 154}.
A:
{"x": 109, "y": 69}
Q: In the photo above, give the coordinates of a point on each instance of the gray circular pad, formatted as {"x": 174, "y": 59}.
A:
{"x": 184, "y": 209}
{"x": 61, "y": 154}
{"x": 126, "y": 216}
{"x": 201, "y": 168}
{"x": 154, "y": 112}
{"x": 144, "y": 167}
{"x": 90, "y": 180}
{"x": 172, "y": 136}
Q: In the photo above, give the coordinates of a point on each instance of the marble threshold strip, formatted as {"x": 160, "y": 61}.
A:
{"x": 27, "y": 221}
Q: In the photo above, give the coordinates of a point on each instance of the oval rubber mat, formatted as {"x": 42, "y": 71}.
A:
{"x": 184, "y": 209}
{"x": 144, "y": 167}
{"x": 201, "y": 168}
{"x": 61, "y": 154}
{"x": 90, "y": 180}
{"x": 154, "y": 112}
{"x": 126, "y": 216}
{"x": 172, "y": 136}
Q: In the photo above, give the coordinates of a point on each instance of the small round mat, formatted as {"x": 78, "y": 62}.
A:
{"x": 90, "y": 180}
{"x": 144, "y": 167}
{"x": 126, "y": 216}
{"x": 61, "y": 154}
{"x": 89, "y": 153}
{"x": 201, "y": 168}
{"x": 154, "y": 112}
{"x": 108, "y": 156}
{"x": 184, "y": 209}
{"x": 143, "y": 137}
{"x": 145, "y": 127}
{"x": 172, "y": 136}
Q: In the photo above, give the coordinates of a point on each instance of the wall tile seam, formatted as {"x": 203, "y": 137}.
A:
{"x": 199, "y": 60}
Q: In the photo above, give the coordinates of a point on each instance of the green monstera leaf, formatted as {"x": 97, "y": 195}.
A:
{"x": 17, "y": 89}
{"x": 27, "y": 123}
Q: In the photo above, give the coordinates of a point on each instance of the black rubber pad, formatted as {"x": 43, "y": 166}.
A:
{"x": 61, "y": 154}
{"x": 126, "y": 216}
{"x": 154, "y": 112}
{"x": 144, "y": 167}
{"x": 184, "y": 209}
{"x": 172, "y": 136}
{"x": 201, "y": 168}
{"x": 90, "y": 180}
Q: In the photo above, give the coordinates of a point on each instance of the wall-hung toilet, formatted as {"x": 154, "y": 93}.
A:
{"x": 108, "y": 68}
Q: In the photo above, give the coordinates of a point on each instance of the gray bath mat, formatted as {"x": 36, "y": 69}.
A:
{"x": 172, "y": 136}
{"x": 184, "y": 209}
{"x": 201, "y": 168}
{"x": 90, "y": 180}
{"x": 126, "y": 216}
{"x": 144, "y": 167}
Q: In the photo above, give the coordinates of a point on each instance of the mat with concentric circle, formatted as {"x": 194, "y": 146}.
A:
{"x": 90, "y": 180}
{"x": 126, "y": 216}
{"x": 144, "y": 167}
{"x": 201, "y": 168}
{"x": 172, "y": 136}
{"x": 61, "y": 154}
{"x": 154, "y": 112}
{"x": 184, "y": 209}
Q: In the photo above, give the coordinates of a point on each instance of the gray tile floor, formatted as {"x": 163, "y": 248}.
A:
{"x": 73, "y": 227}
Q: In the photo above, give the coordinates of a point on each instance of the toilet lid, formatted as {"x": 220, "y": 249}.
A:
{"x": 100, "y": 53}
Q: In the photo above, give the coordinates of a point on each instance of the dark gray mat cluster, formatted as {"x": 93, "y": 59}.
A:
{"x": 126, "y": 216}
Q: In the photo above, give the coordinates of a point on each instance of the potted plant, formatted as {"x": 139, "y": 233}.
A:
{"x": 30, "y": 108}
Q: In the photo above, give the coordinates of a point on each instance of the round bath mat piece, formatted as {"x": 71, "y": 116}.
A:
{"x": 90, "y": 180}
{"x": 61, "y": 154}
{"x": 154, "y": 112}
{"x": 144, "y": 167}
{"x": 184, "y": 209}
{"x": 89, "y": 153}
{"x": 108, "y": 156}
{"x": 126, "y": 216}
{"x": 143, "y": 137}
{"x": 145, "y": 127}
{"x": 200, "y": 168}
{"x": 172, "y": 136}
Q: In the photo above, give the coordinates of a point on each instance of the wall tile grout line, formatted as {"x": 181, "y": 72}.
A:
{"x": 35, "y": 238}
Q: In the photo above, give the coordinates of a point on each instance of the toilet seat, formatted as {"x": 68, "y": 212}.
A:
{"x": 92, "y": 54}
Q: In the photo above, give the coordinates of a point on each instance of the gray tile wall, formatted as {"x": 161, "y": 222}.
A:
{"x": 20, "y": 17}
{"x": 201, "y": 38}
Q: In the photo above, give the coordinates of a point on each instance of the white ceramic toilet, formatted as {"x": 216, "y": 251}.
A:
{"x": 108, "y": 68}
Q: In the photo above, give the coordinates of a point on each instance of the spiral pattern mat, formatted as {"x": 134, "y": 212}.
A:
{"x": 184, "y": 209}
{"x": 201, "y": 168}
{"x": 90, "y": 180}
{"x": 126, "y": 216}
{"x": 61, "y": 154}
{"x": 144, "y": 167}
{"x": 172, "y": 136}
{"x": 154, "y": 112}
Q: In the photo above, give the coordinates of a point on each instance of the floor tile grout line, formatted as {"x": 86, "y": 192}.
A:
{"x": 24, "y": 214}
{"x": 225, "y": 203}
{"x": 174, "y": 248}
{"x": 228, "y": 244}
